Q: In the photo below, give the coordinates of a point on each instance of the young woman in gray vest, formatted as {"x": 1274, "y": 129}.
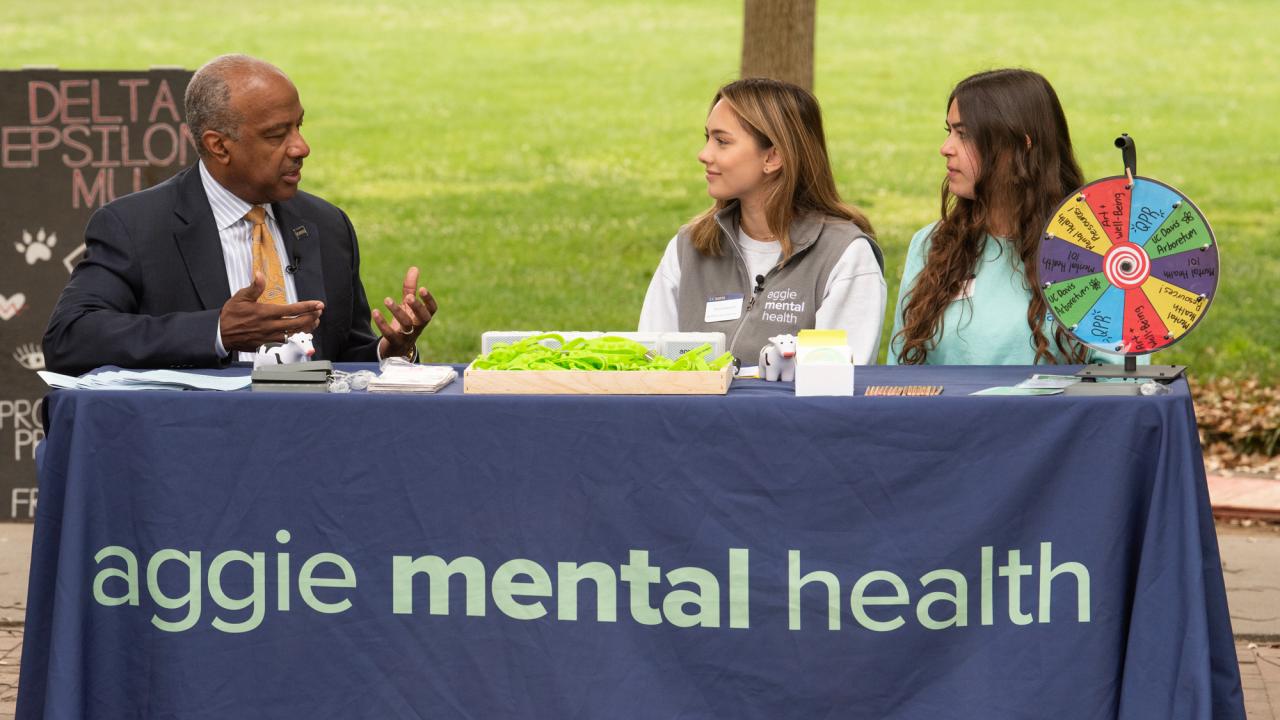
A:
{"x": 778, "y": 251}
{"x": 966, "y": 296}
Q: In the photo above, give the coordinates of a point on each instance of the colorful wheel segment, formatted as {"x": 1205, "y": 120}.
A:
{"x": 1128, "y": 268}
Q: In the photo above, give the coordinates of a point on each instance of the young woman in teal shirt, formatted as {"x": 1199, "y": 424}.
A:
{"x": 967, "y": 296}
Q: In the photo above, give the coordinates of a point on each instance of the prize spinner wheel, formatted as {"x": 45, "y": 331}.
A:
{"x": 1128, "y": 264}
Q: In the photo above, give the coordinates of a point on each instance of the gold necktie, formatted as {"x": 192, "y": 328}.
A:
{"x": 265, "y": 258}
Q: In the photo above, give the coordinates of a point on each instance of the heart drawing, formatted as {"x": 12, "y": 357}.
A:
{"x": 12, "y": 305}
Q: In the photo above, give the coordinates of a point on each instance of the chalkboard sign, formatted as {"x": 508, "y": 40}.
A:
{"x": 70, "y": 142}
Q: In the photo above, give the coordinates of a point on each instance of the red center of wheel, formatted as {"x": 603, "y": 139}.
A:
{"x": 1126, "y": 265}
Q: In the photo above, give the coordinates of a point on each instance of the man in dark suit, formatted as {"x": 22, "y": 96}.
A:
{"x": 155, "y": 286}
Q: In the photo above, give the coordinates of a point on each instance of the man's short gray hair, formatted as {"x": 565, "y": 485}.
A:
{"x": 208, "y": 98}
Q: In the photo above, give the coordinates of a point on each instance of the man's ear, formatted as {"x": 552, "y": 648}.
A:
{"x": 215, "y": 144}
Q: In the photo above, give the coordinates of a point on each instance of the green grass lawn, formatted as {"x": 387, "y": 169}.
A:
{"x": 534, "y": 157}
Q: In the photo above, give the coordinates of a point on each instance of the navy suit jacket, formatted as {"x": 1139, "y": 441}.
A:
{"x": 152, "y": 282}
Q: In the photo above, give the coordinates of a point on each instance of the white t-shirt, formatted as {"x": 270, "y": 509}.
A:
{"x": 855, "y": 291}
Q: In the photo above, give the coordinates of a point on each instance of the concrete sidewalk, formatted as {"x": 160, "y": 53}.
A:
{"x": 1250, "y": 560}
{"x": 1251, "y": 570}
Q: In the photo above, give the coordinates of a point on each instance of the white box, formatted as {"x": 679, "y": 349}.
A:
{"x": 675, "y": 344}
{"x": 823, "y": 364}
{"x": 814, "y": 380}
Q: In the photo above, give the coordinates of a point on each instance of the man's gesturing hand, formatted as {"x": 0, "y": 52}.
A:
{"x": 409, "y": 317}
{"x": 246, "y": 323}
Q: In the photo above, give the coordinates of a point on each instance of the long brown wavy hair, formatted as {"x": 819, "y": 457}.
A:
{"x": 779, "y": 114}
{"x": 1023, "y": 182}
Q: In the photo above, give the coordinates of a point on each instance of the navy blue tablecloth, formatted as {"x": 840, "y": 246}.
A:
{"x": 218, "y": 555}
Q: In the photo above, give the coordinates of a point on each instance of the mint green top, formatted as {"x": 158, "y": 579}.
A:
{"x": 988, "y": 328}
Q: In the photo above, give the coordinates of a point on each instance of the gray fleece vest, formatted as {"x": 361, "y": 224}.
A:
{"x": 786, "y": 302}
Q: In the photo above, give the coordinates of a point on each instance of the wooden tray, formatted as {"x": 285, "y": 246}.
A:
{"x": 596, "y": 382}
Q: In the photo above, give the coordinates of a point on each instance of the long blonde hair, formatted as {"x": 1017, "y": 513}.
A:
{"x": 787, "y": 117}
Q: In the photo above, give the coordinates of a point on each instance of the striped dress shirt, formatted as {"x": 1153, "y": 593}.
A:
{"x": 236, "y": 233}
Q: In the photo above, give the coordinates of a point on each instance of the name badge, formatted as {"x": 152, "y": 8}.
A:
{"x": 723, "y": 307}
{"x": 966, "y": 290}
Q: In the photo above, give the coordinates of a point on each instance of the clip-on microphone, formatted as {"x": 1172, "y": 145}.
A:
{"x": 299, "y": 233}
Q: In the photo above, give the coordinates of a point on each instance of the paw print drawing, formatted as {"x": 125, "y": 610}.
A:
{"x": 35, "y": 249}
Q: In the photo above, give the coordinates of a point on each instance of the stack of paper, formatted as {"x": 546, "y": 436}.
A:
{"x": 413, "y": 379}
{"x": 1056, "y": 382}
{"x": 1037, "y": 384}
{"x": 145, "y": 380}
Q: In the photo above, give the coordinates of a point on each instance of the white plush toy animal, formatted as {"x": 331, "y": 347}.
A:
{"x": 778, "y": 359}
{"x": 296, "y": 348}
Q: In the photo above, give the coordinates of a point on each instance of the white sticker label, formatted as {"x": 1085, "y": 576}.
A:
{"x": 966, "y": 290}
{"x": 723, "y": 307}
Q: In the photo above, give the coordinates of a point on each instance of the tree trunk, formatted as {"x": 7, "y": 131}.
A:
{"x": 777, "y": 40}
